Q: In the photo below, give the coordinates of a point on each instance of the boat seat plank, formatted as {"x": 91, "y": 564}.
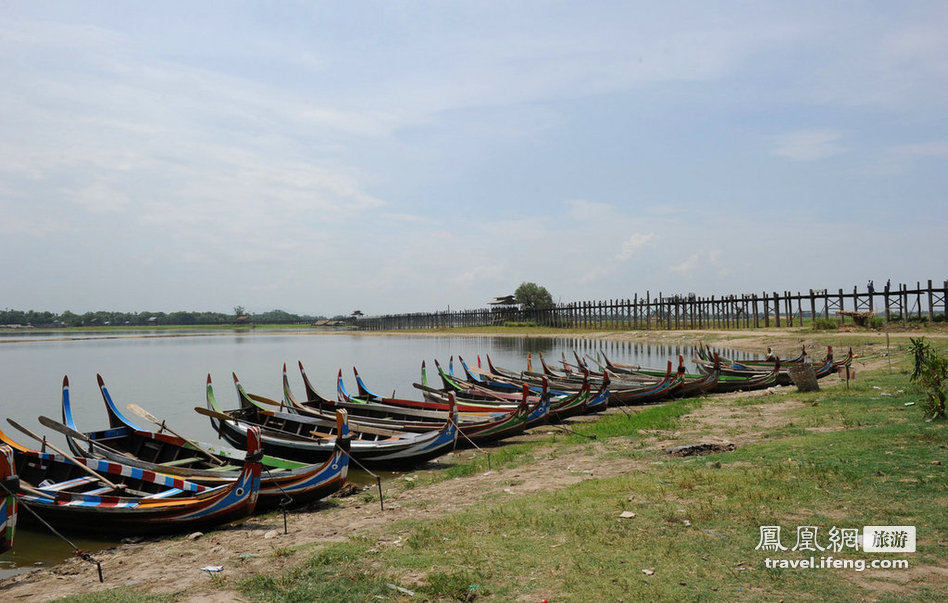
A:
{"x": 66, "y": 485}
{"x": 103, "y": 490}
{"x": 225, "y": 468}
{"x": 165, "y": 493}
{"x": 181, "y": 461}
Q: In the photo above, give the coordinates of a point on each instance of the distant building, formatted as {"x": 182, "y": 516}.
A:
{"x": 504, "y": 308}
{"x": 503, "y": 300}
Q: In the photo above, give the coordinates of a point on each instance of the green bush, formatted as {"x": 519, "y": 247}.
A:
{"x": 824, "y": 324}
{"x": 931, "y": 374}
{"x": 875, "y": 322}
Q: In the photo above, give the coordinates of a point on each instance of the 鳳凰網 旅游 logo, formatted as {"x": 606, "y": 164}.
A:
{"x": 888, "y": 539}
{"x": 870, "y": 539}
{"x": 821, "y": 544}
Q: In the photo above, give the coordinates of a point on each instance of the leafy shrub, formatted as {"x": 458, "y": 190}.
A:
{"x": 930, "y": 372}
{"x": 875, "y": 322}
{"x": 824, "y": 324}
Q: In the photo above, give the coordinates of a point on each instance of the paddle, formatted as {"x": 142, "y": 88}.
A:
{"x": 289, "y": 436}
{"x": 138, "y": 410}
{"x": 78, "y": 435}
{"x": 68, "y": 456}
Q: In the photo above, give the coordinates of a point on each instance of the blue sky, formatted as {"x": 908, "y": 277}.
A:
{"x": 410, "y": 156}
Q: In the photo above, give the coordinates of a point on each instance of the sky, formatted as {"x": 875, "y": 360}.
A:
{"x": 390, "y": 156}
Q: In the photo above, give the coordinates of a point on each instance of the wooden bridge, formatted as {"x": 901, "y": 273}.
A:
{"x": 741, "y": 311}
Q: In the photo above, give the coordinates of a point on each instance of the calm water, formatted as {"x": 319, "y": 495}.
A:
{"x": 166, "y": 376}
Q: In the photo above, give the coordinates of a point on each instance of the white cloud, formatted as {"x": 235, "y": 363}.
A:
{"x": 701, "y": 260}
{"x": 808, "y": 145}
{"x": 938, "y": 148}
{"x": 581, "y": 209}
{"x": 633, "y": 244}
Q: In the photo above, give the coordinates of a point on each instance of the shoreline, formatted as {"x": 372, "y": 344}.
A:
{"x": 253, "y": 546}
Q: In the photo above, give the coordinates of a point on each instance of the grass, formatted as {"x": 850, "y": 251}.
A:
{"x": 125, "y": 594}
{"x": 847, "y": 458}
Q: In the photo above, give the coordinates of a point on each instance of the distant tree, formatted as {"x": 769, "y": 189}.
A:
{"x": 239, "y": 311}
{"x": 276, "y": 317}
{"x": 181, "y": 318}
{"x": 532, "y": 296}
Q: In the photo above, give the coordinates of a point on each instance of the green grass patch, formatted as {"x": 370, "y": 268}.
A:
{"x": 630, "y": 421}
{"x": 847, "y": 458}
{"x": 340, "y": 572}
{"x": 123, "y": 594}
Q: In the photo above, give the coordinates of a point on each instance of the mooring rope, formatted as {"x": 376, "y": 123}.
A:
{"x": 285, "y": 502}
{"x": 573, "y": 431}
{"x": 378, "y": 478}
{"x": 456, "y": 426}
{"x": 85, "y": 556}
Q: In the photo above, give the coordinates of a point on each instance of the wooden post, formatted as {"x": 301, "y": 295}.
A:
{"x": 931, "y": 303}
{"x": 635, "y": 312}
{"x": 907, "y": 311}
{"x": 648, "y": 313}
{"x": 944, "y": 300}
{"x": 777, "y": 309}
{"x": 918, "y": 298}
{"x": 841, "y": 317}
{"x": 812, "y": 306}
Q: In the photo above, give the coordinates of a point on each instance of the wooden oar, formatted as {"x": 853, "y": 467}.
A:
{"x": 138, "y": 410}
{"x": 68, "y": 456}
{"x": 78, "y": 435}
{"x": 276, "y": 432}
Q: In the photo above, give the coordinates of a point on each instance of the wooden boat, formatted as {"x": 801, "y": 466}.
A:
{"x": 693, "y": 385}
{"x": 282, "y": 482}
{"x": 8, "y": 500}
{"x": 489, "y": 417}
{"x": 476, "y": 425}
{"x": 704, "y": 353}
{"x": 570, "y": 402}
{"x": 290, "y": 435}
{"x": 825, "y": 367}
{"x": 632, "y": 376}
{"x": 619, "y": 393}
{"x": 99, "y": 496}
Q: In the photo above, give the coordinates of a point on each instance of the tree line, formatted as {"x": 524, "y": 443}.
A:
{"x": 149, "y": 318}
{"x": 528, "y": 295}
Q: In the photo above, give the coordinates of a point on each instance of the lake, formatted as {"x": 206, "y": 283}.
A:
{"x": 165, "y": 372}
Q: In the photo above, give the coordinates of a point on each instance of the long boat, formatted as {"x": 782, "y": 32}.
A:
{"x": 100, "y": 496}
{"x": 489, "y": 417}
{"x": 619, "y": 393}
{"x": 283, "y": 481}
{"x": 290, "y": 435}
{"x": 476, "y": 425}
{"x": 572, "y": 398}
{"x": 825, "y": 367}
{"x": 8, "y": 499}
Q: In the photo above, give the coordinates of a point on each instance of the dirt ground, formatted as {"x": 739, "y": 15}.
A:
{"x": 259, "y": 544}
